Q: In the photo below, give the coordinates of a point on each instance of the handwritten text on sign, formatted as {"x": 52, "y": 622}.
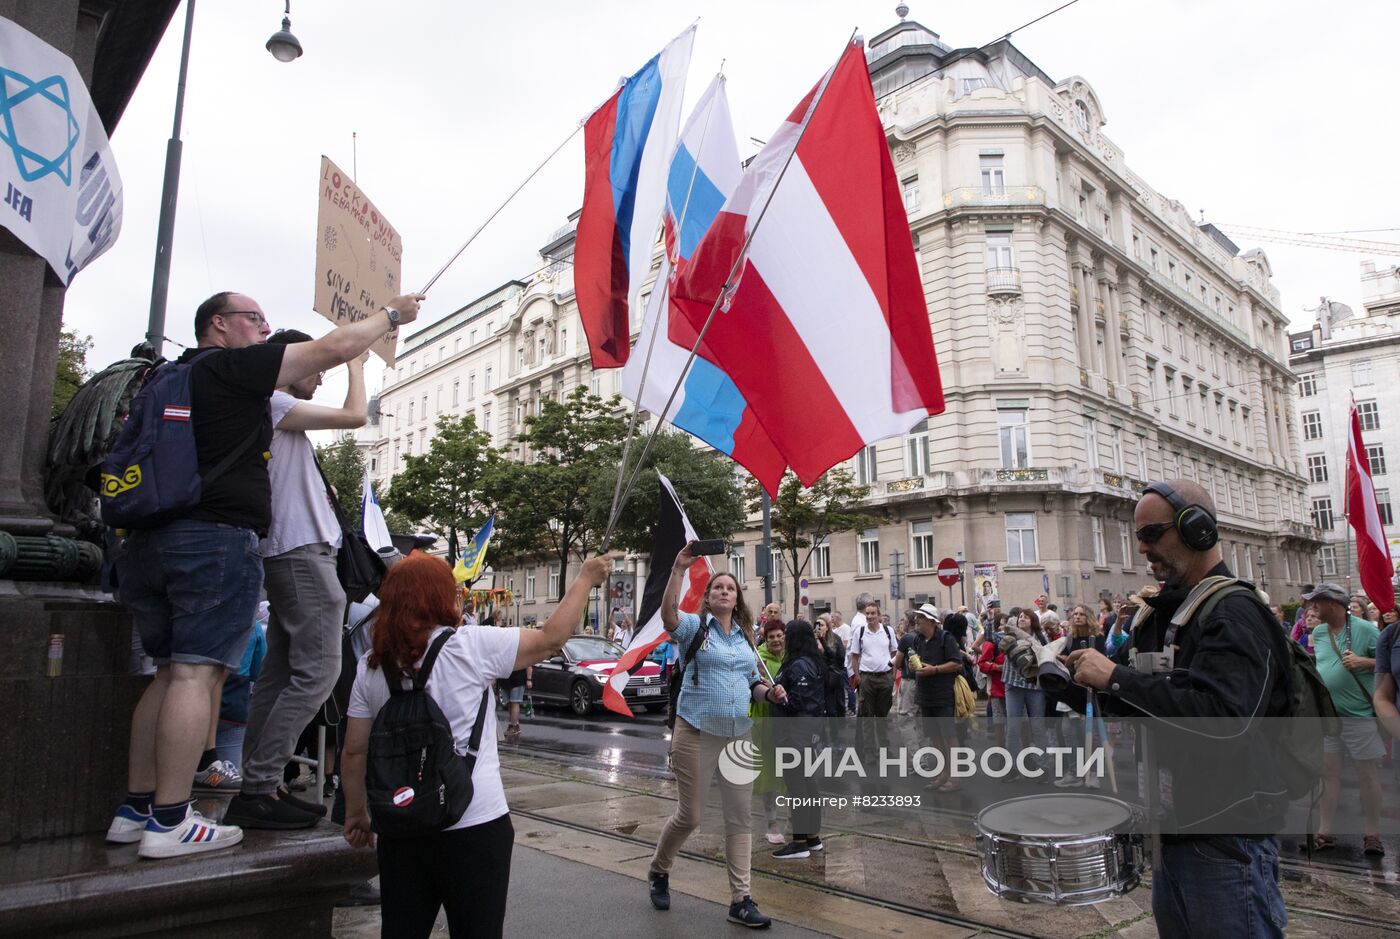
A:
{"x": 358, "y": 256}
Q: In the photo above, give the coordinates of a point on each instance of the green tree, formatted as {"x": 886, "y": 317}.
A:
{"x": 344, "y": 466}
{"x": 72, "y": 368}
{"x": 448, "y": 488}
{"x": 705, "y": 481}
{"x": 803, "y": 518}
{"x": 546, "y": 503}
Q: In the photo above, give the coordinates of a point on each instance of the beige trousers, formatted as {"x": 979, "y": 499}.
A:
{"x": 694, "y": 756}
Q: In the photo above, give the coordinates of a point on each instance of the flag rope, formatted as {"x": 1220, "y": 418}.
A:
{"x": 480, "y": 228}
{"x": 719, "y": 300}
{"x": 614, "y": 511}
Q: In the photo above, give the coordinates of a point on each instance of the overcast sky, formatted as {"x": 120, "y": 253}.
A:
{"x": 1272, "y": 114}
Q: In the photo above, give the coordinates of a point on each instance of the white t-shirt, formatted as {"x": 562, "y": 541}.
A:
{"x": 875, "y": 648}
{"x": 471, "y": 660}
{"x": 301, "y": 508}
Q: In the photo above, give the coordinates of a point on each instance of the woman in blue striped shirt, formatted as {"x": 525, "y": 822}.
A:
{"x": 719, "y": 683}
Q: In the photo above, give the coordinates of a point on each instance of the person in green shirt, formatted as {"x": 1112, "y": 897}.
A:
{"x": 768, "y": 786}
{"x": 1345, "y": 647}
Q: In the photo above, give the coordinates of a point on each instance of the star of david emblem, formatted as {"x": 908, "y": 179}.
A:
{"x": 22, "y": 101}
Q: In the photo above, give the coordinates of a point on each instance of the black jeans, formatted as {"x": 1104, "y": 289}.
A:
{"x": 466, "y": 870}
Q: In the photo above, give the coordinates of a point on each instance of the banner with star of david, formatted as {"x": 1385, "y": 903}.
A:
{"x": 60, "y": 192}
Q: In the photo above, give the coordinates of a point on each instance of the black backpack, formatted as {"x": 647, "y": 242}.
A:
{"x": 417, "y": 784}
{"x": 151, "y": 474}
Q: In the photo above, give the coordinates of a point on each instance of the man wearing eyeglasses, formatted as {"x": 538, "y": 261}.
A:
{"x": 192, "y": 584}
{"x": 1224, "y": 666}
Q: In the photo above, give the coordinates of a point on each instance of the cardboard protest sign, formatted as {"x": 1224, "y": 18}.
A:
{"x": 358, "y": 256}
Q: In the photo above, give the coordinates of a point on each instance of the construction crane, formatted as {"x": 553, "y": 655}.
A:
{"x": 1385, "y": 249}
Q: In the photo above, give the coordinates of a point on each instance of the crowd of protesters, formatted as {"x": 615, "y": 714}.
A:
{"x": 236, "y": 686}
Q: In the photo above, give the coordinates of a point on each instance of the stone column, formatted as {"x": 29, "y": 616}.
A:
{"x": 1086, "y": 320}
{"x": 1113, "y": 344}
{"x": 31, "y": 310}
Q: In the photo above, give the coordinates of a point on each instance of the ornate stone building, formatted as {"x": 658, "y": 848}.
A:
{"x": 1090, "y": 334}
{"x": 1345, "y": 357}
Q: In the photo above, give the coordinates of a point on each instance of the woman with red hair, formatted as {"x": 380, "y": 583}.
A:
{"x": 465, "y": 867}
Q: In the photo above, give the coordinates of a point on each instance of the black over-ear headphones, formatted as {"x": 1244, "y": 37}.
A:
{"x": 1194, "y": 524}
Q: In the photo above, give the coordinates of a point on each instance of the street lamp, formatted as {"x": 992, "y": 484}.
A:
{"x": 1263, "y": 571}
{"x": 283, "y": 45}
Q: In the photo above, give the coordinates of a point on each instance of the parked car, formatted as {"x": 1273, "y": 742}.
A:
{"x": 575, "y": 677}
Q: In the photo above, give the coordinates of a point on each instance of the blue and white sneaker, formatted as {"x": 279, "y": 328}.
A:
{"x": 194, "y": 835}
{"x": 127, "y": 825}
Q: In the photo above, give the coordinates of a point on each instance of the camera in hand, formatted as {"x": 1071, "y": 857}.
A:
{"x": 708, "y": 546}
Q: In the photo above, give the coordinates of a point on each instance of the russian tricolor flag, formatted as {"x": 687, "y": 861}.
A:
{"x": 628, "y": 144}
{"x": 704, "y": 172}
{"x": 824, "y": 328}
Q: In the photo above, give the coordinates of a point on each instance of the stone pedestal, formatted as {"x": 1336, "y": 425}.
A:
{"x": 272, "y": 885}
{"x": 67, "y": 700}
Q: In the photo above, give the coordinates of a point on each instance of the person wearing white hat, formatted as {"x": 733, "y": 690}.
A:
{"x": 936, "y": 659}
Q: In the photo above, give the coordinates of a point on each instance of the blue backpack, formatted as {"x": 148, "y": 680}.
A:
{"x": 152, "y": 471}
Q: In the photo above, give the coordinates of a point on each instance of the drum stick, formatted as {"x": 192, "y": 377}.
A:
{"x": 1108, "y": 752}
{"x": 1089, "y": 726}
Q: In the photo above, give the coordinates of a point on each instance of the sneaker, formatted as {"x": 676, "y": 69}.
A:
{"x": 775, "y": 837}
{"x": 1372, "y": 845}
{"x": 194, "y": 835}
{"x": 1069, "y": 782}
{"x": 264, "y": 811}
{"x": 127, "y": 825}
{"x": 746, "y": 913}
{"x": 1092, "y": 782}
{"x": 792, "y": 852}
{"x": 364, "y": 893}
{"x": 218, "y": 776}
{"x": 815, "y": 844}
{"x": 317, "y": 809}
{"x": 660, "y": 885}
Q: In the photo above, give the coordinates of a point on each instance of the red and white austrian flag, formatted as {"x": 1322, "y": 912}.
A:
{"x": 403, "y": 797}
{"x": 177, "y": 412}
{"x": 1363, "y": 513}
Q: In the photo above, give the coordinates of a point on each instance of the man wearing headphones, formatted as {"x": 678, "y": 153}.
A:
{"x": 1220, "y": 659}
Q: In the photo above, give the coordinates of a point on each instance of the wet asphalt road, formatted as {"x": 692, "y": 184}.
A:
{"x": 639, "y": 745}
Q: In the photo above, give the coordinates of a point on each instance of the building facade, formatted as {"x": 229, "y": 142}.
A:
{"x": 1345, "y": 357}
{"x": 1091, "y": 336}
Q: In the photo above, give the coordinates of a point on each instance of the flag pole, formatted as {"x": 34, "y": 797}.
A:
{"x": 452, "y": 260}
{"x": 663, "y": 272}
{"x": 724, "y": 290}
{"x": 1346, "y": 487}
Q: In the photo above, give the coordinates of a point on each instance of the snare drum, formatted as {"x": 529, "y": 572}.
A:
{"x": 1065, "y": 850}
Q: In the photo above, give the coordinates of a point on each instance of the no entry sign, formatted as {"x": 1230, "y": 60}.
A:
{"x": 948, "y": 572}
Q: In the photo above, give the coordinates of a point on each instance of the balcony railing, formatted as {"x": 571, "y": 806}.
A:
{"x": 1003, "y": 280}
{"x": 1203, "y": 310}
{"x": 993, "y": 195}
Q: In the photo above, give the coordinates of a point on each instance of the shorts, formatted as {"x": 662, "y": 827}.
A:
{"x": 1360, "y": 739}
{"x": 515, "y": 695}
{"x": 192, "y": 588}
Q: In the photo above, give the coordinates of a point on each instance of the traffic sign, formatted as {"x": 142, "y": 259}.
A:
{"x": 948, "y": 572}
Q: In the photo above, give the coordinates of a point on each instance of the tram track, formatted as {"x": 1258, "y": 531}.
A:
{"x": 1300, "y": 868}
{"x": 949, "y": 919}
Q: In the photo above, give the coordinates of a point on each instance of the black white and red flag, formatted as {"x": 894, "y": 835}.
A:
{"x": 673, "y": 532}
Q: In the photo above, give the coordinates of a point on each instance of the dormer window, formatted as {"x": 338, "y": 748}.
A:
{"x": 1081, "y": 115}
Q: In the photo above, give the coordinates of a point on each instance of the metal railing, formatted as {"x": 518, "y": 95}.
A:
{"x": 1003, "y": 280}
{"x": 993, "y": 195}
